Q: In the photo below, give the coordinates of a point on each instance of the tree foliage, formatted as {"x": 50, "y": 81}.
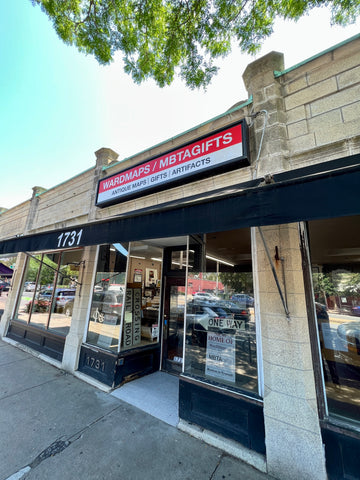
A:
{"x": 163, "y": 38}
{"x": 238, "y": 282}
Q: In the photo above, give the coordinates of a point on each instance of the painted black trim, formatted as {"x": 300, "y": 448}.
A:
{"x": 38, "y": 339}
{"x": 115, "y": 369}
{"x": 342, "y": 449}
{"x": 219, "y": 411}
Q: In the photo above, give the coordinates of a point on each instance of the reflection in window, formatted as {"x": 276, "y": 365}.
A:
{"x": 220, "y": 322}
{"x": 65, "y": 292}
{"x": 47, "y": 281}
{"x": 335, "y": 258}
{"x": 108, "y": 297}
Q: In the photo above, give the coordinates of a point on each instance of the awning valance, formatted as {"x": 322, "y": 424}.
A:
{"x": 330, "y": 189}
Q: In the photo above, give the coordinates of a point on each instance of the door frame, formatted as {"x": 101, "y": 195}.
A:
{"x": 170, "y": 277}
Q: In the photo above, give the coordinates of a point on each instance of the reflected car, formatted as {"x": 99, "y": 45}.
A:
{"x": 243, "y": 299}
{"x": 237, "y": 311}
{"x": 349, "y": 333}
{"x": 321, "y": 312}
{"x": 106, "y": 305}
{"x": 29, "y": 286}
{"x": 209, "y": 317}
{"x": 204, "y": 296}
{"x": 62, "y": 295}
{"x": 4, "y": 286}
{"x": 356, "y": 311}
{"x": 43, "y": 299}
{"x": 68, "y": 307}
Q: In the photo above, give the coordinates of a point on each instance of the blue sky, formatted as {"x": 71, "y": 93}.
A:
{"x": 59, "y": 106}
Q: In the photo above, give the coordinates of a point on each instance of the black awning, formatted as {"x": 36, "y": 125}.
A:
{"x": 331, "y": 189}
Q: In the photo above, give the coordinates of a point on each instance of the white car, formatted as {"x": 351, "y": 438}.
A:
{"x": 205, "y": 296}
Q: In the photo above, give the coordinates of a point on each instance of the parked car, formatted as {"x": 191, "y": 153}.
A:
{"x": 243, "y": 299}
{"x": 356, "y": 311}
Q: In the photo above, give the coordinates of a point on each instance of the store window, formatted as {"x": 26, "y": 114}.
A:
{"x": 48, "y": 291}
{"x": 220, "y": 321}
{"x": 142, "y": 303}
{"x": 335, "y": 259}
{"x": 125, "y": 305}
{"x": 108, "y": 297}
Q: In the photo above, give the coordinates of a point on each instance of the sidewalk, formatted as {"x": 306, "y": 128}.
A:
{"x": 55, "y": 426}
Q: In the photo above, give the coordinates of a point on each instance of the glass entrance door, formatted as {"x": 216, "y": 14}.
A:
{"x": 173, "y": 324}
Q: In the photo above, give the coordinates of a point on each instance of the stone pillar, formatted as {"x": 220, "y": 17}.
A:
{"x": 104, "y": 158}
{"x": 294, "y": 448}
{"x": 268, "y": 105}
{"x": 78, "y": 325}
{"x": 34, "y": 202}
{"x": 11, "y": 300}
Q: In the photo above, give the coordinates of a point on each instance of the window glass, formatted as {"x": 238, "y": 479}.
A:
{"x": 49, "y": 282}
{"x": 65, "y": 292}
{"x": 178, "y": 260}
{"x": 142, "y": 298}
{"x": 108, "y": 297}
{"x": 41, "y": 304}
{"x": 34, "y": 304}
{"x": 335, "y": 258}
{"x": 25, "y": 299}
{"x": 220, "y": 322}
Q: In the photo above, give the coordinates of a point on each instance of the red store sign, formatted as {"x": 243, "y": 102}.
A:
{"x": 224, "y": 150}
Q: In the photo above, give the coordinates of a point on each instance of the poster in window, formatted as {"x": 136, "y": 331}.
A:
{"x": 151, "y": 277}
{"x": 220, "y": 356}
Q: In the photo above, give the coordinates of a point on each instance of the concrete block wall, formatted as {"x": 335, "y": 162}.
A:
{"x": 322, "y": 104}
{"x": 13, "y": 221}
{"x": 67, "y": 202}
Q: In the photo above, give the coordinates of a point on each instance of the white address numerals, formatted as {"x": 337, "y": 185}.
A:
{"x": 69, "y": 239}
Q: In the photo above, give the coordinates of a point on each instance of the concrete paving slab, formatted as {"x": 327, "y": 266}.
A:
{"x": 55, "y": 426}
{"x": 9, "y": 354}
{"x": 33, "y": 418}
{"x": 231, "y": 469}
{"x": 130, "y": 444}
{"x": 22, "y": 374}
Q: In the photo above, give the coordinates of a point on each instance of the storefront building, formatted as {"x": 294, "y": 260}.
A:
{"x": 228, "y": 256}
